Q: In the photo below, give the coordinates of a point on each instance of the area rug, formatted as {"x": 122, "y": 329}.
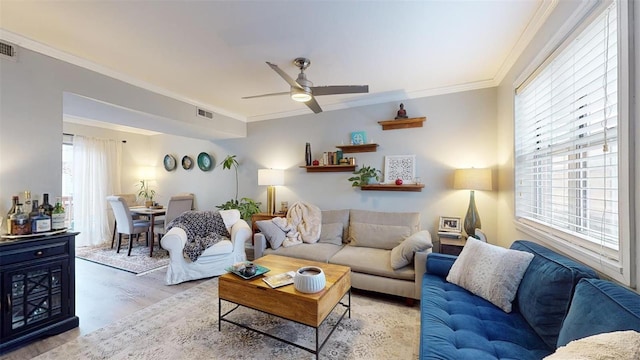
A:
{"x": 185, "y": 326}
{"x": 138, "y": 263}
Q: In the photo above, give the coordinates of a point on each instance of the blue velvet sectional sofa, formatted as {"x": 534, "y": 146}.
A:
{"x": 558, "y": 301}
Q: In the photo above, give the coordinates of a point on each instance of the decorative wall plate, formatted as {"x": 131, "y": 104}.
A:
{"x": 205, "y": 163}
{"x": 187, "y": 162}
{"x": 169, "y": 162}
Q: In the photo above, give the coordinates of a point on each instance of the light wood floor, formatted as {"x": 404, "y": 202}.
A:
{"x": 104, "y": 295}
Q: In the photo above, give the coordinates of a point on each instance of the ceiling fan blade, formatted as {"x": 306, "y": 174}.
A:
{"x": 284, "y": 75}
{"x": 313, "y": 105}
{"x": 264, "y": 95}
{"x": 339, "y": 89}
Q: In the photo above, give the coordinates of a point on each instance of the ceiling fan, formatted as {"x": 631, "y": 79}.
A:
{"x": 302, "y": 90}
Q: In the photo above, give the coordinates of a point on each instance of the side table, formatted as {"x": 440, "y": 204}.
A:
{"x": 451, "y": 246}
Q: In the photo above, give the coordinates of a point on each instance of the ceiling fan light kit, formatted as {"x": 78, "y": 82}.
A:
{"x": 302, "y": 90}
{"x": 300, "y": 95}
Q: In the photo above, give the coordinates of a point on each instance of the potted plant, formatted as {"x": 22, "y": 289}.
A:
{"x": 366, "y": 175}
{"x": 227, "y": 163}
{"x": 146, "y": 193}
{"x": 246, "y": 206}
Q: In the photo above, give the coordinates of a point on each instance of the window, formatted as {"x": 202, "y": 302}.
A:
{"x": 567, "y": 153}
{"x": 67, "y": 179}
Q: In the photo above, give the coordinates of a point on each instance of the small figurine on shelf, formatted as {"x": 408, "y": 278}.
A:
{"x": 402, "y": 113}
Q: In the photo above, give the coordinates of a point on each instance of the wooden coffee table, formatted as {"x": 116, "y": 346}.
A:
{"x": 287, "y": 302}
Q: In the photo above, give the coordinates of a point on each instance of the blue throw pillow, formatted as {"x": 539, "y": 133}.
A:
{"x": 600, "y": 306}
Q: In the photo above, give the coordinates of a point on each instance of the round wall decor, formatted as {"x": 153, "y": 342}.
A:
{"x": 169, "y": 162}
{"x": 205, "y": 162}
{"x": 187, "y": 162}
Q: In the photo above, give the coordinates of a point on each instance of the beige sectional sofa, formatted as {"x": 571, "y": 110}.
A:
{"x": 364, "y": 241}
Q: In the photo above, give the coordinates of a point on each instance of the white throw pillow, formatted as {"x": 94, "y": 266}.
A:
{"x": 230, "y": 218}
{"x": 618, "y": 345}
{"x": 491, "y": 272}
{"x": 402, "y": 255}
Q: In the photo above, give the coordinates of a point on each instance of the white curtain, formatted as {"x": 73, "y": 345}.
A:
{"x": 96, "y": 175}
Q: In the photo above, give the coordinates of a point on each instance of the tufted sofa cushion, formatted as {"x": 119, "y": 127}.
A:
{"x": 458, "y": 325}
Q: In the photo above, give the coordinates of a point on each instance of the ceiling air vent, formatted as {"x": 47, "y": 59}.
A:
{"x": 8, "y": 50}
{"x": 205, "y": 113}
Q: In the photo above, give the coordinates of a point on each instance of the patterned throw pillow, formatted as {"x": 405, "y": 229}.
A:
{"x": 489, "y": 271}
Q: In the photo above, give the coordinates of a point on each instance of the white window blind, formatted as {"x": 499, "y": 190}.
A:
{"x": 566, "y": 142}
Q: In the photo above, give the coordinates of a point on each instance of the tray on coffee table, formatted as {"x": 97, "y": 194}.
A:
{"x": 259, "y": 271}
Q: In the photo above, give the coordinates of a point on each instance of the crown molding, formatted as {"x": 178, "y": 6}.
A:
{"x": 84, "y": 63}
{"x": 539, "y": 18}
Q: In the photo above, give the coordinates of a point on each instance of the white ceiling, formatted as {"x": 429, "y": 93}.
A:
{"x": 212, "y": 53}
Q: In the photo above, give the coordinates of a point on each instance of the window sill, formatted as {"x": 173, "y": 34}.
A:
{"x": 611, "y": 268}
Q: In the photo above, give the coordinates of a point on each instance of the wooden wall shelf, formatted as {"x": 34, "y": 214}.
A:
{"x": 330, "y": 168}
{"x": 402, "y": 124}
{"x": 358, "y": 148}
{"x": 392, "y": 187}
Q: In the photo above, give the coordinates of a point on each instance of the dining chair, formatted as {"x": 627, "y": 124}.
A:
{"x": 176, "y": 206}
{"x": 125, "y": 223}
{"x": 130, "y": 200}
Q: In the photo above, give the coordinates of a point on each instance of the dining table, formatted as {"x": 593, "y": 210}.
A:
{"x": 151, "y": 213}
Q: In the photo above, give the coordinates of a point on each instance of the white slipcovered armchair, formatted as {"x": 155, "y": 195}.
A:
{"x": 213, "y": 260}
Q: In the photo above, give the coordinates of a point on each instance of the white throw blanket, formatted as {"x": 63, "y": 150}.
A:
{"x": 303, "y": 224}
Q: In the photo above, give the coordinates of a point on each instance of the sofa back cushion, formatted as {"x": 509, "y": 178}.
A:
{"x": 381, "y": 230}
{"x": 600, "y": 306}
{"x": 546, "y": 289}
{"x": 331, "y": 233}
{"x": 337, "y": 216}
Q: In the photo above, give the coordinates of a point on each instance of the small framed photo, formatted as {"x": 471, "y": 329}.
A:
{"x": 449, "y": 223}
{"x": 358, "y": 138}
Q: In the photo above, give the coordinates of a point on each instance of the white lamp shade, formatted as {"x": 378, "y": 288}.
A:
{"x": 472, "y": 179}
{"x": 270, "y": 177}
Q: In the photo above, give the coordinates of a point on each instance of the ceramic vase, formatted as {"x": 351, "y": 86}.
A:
{"x": 307, "y": 154}
{"x": 309, "y": 279}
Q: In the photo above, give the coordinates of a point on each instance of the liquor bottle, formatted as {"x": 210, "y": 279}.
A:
{"x": 20, "y": 222}
{"x": 57, "y": 216}
{"x": 41, "y": 222}
{"x": 14, "y": 199}
{"x": 26, "y": 204}
{"x": 48, "y": 208}
{"x": 34, "y": 211}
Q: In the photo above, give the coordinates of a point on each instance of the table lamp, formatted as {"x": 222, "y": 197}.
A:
{"x": 271, "y": 178}
{"x": 472, "y": 179}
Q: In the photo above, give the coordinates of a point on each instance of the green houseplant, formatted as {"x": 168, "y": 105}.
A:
{"x": 146, "y": 193}
{"x": 246, "y": 206}
{"x": 365, "y": 175}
